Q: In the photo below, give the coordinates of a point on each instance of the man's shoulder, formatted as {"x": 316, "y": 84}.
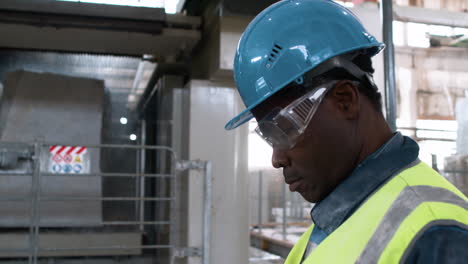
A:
{"x": 440, "y": 244}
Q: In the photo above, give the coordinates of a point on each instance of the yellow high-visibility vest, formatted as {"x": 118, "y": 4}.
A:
{"x": 390, "y": 220}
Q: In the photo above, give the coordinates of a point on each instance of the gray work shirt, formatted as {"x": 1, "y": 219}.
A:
{"x": 439, "y": 244}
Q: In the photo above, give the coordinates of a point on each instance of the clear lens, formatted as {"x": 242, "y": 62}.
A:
{"x": 282, "y": 127}
{"x": 273, "y": 135}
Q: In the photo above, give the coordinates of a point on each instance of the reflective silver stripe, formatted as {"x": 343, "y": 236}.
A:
{"x": 408, "y": 200}
{"x": 310, "y": 247}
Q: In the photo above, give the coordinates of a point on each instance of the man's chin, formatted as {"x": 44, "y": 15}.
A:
{"x": 311, "y": 198}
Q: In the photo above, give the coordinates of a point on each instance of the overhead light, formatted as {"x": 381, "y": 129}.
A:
{"x": 133, "y": 137}
{"x": 123, "y": 120}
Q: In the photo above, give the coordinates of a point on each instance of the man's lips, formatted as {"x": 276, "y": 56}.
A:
{"x": 294, "y": 183}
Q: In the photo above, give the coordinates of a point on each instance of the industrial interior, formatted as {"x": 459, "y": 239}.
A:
{"x": 112, "y": 140}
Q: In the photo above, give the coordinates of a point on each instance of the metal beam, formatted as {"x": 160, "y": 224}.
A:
{"x": 447, "y": 59}
{"x": 389, "y": 63}
{"x": 48, "y": 10}
{"x": 96, "y": 28}
{"x": 430, "y": 16}
{"x": 74, "y": 21}
{"x": 169, "y": 43}
{"x": 182, "y": 21}
{"x": 84, "y": 9}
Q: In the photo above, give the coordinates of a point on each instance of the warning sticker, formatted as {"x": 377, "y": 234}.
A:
{"x": 57, "y": 158}
{"x": 77, "y": 168}
{"x": 57, "y": 168}
{"x": 68, "y": 160}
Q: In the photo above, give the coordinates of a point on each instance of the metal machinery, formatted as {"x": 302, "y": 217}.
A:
{"x": 63, "y": 198}
{"x": 52, "y": 108}
{"x": 52, "y": 193}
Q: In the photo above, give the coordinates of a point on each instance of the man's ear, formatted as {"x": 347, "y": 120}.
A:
{"x": 346, "y": 98}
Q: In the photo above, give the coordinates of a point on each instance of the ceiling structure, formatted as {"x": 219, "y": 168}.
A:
{"x": 96, "y": 28}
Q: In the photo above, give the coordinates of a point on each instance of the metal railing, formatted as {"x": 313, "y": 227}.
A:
{"x": 37, "y": 198}
{"x": 289, "y": 207}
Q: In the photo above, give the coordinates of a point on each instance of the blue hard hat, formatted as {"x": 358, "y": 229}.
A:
{"x": 289, "y": 39}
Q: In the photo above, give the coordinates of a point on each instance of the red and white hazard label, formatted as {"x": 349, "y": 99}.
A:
{"x": 68, "y": 160}
{"x": 67, "y": 150}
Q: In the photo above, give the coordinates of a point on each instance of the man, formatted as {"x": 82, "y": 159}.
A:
{"x": 303, "y": 68}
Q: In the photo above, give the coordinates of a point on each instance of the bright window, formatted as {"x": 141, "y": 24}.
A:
{"x": 417, "y": 35}
{"x": 460, "y": 31}
{"x": 399, "y": 33}
{"x": 440, "y": 30}
{"x": 259, "y": 151}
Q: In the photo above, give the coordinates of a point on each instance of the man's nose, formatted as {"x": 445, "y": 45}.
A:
{"x": 279, "y": 158}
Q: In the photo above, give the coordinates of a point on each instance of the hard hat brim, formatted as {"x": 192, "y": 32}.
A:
{"x": 240, "y": 119}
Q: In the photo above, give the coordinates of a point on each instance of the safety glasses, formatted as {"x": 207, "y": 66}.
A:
{"x": 282, "y": 127}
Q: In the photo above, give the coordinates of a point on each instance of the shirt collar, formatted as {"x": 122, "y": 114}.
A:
{"x": 395, "y": 154}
